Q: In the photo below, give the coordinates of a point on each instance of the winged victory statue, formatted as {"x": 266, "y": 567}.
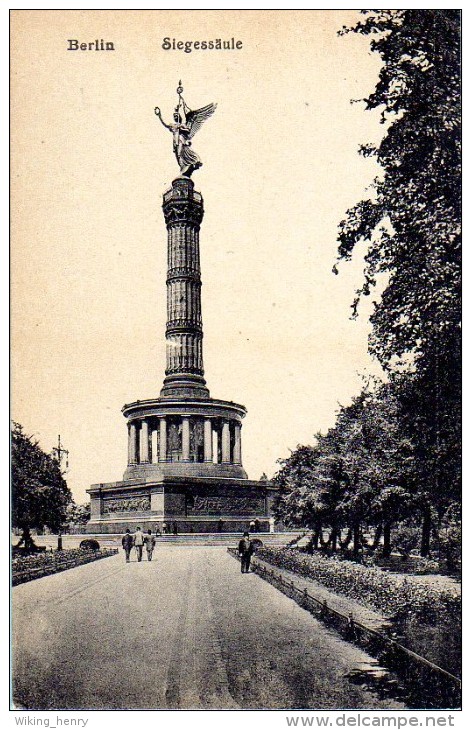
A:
{"x": 186, "y": 123}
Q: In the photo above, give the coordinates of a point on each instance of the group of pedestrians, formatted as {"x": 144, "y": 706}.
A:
{"x": 138, "y": 541}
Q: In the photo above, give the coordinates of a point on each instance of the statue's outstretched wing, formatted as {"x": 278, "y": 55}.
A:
{"x": 195, "y": 119}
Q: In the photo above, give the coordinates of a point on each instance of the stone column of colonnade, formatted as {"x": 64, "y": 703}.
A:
{"x": 162, "y": 439}
{"x": 237, "y": 456}
{"x": 208, "y": 440}
{"x": 185, "y": 439}
{"x": 139, "y": 441}
{"x": 132, "y": 444}
{"x": 144, "y": 442}
{"x": 226, "y": 443}
{"x": 139, "y": 451}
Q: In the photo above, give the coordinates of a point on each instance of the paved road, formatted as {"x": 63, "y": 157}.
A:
{"x": 185, "y": 631}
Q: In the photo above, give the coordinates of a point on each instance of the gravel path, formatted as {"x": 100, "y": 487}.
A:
{"x": 186, "y": 631}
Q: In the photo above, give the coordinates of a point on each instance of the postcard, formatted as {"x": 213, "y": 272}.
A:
{"x": 235, "y": 311}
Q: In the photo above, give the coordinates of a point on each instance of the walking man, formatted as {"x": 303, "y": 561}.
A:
{"x": 127, "y": 543}
{"x": 138, "y": 543}
{"x": 245, "y": 553}
{"x": 149, "y": 540}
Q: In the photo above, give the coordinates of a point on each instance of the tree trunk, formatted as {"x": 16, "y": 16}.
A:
{"x": 315, "y": 537}
{"x": 345, "y": 543}
{"x": 426, "y": 531}
{"x": 356, "y": 540}
{"x": 386, "y": 539}
{"x": 377, "y": 537}
{"x": 333, "y": 539}
{"x": 323, "y": 543}
{"x": 26, "y": 540}
{"x": 371, "y": 547}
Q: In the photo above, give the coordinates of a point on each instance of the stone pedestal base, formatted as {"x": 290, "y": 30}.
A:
{"x": 184, "y": 527}
{"x": 194, "y": 505}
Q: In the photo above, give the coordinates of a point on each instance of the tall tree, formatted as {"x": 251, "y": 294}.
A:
{"x": 297, "y": 500}
{"x": 411, "y": 224}
{"x": 310, "y": 487}
{"x": 377, "y": 462}
{"x": 40, "y": 495}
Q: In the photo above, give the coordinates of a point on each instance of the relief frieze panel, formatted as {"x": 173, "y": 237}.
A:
{"x": 127, "y": 504}
{"x": 226, "y": 505}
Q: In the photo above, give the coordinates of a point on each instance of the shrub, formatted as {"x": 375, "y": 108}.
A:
{"x": 397, "y": 598}
{"x": 25, "y": 568}
{"x": 89, "y": 544}
{"x": 450, "y": 547}
{"x": 423, "y": 566}
{"x": 405, "y": 539}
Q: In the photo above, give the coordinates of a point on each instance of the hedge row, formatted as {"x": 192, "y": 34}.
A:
{"x": 396, "y": 598}
{"x": 36, "y": 566}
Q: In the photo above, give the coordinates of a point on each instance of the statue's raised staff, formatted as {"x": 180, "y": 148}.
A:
{"x": 186, "y": 123}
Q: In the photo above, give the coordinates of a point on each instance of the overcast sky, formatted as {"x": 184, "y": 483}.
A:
{"x": 90, "y": 164}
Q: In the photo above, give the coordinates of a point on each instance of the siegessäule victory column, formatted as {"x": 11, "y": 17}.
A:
{"x": 184, "y": 447}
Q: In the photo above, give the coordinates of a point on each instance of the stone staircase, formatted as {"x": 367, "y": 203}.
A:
{"x": 224, "y": 539}
{"x": 227, "y": 539}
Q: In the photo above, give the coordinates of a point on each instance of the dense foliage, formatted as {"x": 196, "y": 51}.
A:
{"x": 357, "y": 488}
{"x": 40, "y": 495}
{"x": 77, "y": 515}
{"x": 395, "y": 452}
{"x": 411, "y": 222}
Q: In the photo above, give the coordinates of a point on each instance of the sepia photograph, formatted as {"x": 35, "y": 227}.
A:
{"x": 235, "y": 321}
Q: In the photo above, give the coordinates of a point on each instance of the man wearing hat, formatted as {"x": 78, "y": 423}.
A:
{"x": 138, "y": 543}
{"x": 127, "y": 543}
{"x": 245, "y": 553}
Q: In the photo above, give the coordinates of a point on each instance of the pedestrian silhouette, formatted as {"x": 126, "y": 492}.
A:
{"x": 149, "y": 541}
{"x": 245, "y": 553}
{"x": 127, "y": 543}
{"x": 138, "y": 543}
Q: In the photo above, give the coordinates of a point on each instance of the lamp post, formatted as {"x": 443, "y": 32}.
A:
{"x": 60, "y": 454}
